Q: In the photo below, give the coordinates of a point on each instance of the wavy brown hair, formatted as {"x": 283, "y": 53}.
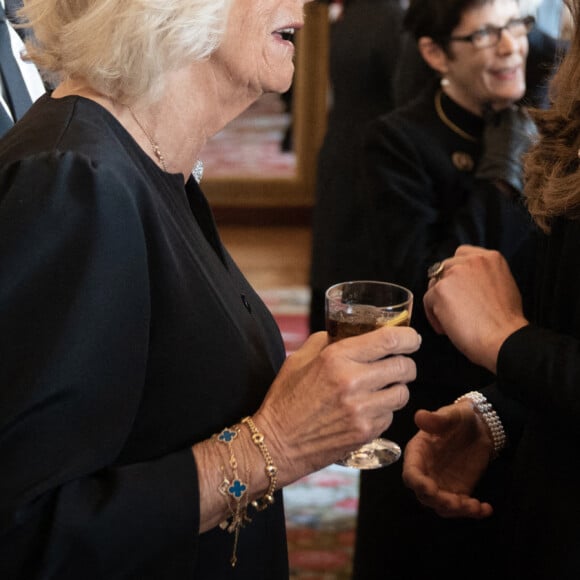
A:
{"x": 552, "y": 166}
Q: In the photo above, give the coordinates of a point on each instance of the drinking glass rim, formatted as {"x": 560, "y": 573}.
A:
{"x": 410, "y": 297}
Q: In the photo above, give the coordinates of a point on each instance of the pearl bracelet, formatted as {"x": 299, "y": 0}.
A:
{"x": 490, "y": 418}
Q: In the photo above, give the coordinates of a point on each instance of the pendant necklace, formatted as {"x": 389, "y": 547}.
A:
{"x": 154, "y": 145}
{"x": 198, "y": 168}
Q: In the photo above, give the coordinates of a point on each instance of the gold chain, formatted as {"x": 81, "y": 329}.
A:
{"x": 154, "y": 145}
{"x": 447, "y": 121}
{"x": 270, "y": 469}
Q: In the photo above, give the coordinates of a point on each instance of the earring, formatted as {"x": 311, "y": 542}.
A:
{"x": 445, "y": 82}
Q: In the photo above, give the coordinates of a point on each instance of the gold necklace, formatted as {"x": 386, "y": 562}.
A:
{"x": 447, "y": 121}
{"x": 154, "y": 145}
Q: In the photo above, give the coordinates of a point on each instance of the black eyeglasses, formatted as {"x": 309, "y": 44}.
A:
{"x": 491, "y": 35}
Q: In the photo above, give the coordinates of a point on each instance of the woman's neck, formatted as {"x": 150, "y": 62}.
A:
{"x": 457, "y": 97}
{"x": 477, "y": 108}
{"x": 174, "y": 129}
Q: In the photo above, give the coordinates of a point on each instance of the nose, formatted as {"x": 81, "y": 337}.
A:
{"x": 509, "y": 43}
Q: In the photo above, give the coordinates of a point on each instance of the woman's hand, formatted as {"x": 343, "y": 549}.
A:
{"x": 326, "y": 400}
{"x": 329, "y": 399}
{"x": 476, "y": 303}
{"x": 446, "y": 458}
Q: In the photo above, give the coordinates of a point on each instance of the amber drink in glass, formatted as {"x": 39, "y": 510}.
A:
{"x": 357, "y": 307}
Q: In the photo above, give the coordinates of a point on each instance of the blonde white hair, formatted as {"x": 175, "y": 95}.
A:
{"x": 122, "y": 48}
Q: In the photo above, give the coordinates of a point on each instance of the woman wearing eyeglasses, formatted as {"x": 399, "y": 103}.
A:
{"x": 442, "y": 171}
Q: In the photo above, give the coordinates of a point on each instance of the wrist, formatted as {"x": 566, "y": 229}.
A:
{"x": 270, "y": 469}
{"x": 489, "y": 353}
{"x": 231, "y": 481}
{"x": 493, "y": 425}
{"x": 287, "y": 462}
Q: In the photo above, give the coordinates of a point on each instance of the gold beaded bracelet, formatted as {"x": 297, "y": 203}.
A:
{"x": 270, "y": 469}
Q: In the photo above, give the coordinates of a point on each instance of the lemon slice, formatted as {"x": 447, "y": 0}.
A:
{"x": 400, "y": 319}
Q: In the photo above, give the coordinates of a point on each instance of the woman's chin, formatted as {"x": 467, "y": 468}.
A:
{"x": 499, "y": 102}
{"x": 282, "y": 82}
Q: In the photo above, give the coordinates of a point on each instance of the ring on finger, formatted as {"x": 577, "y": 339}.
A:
{"x": 435, "y": 271}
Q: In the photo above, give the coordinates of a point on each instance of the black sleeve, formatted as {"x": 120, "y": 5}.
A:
{"x": 74, "y": 325}
{"x": 541, "y": 369}
{"x": 537, "y": 370}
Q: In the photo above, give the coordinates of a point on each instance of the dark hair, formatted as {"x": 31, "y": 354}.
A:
{"x": 437, "y": 18}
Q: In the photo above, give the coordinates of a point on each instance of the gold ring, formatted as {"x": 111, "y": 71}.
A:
{"x": 435, "y": 270}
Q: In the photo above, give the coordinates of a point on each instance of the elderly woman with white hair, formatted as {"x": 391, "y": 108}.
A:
{"x": 147, "y": 421}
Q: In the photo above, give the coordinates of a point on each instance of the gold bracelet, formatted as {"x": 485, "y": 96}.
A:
{"x": 270, "y": 469}
{"x": 234, "y": 490}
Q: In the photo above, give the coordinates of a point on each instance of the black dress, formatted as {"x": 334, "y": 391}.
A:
{"x": 425, "y": 201}
{"x": 363, "y": 55}
{"x": 127, "y": 334}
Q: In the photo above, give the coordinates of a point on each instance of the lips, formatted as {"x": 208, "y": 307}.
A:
{"x": 507, "y": 72}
